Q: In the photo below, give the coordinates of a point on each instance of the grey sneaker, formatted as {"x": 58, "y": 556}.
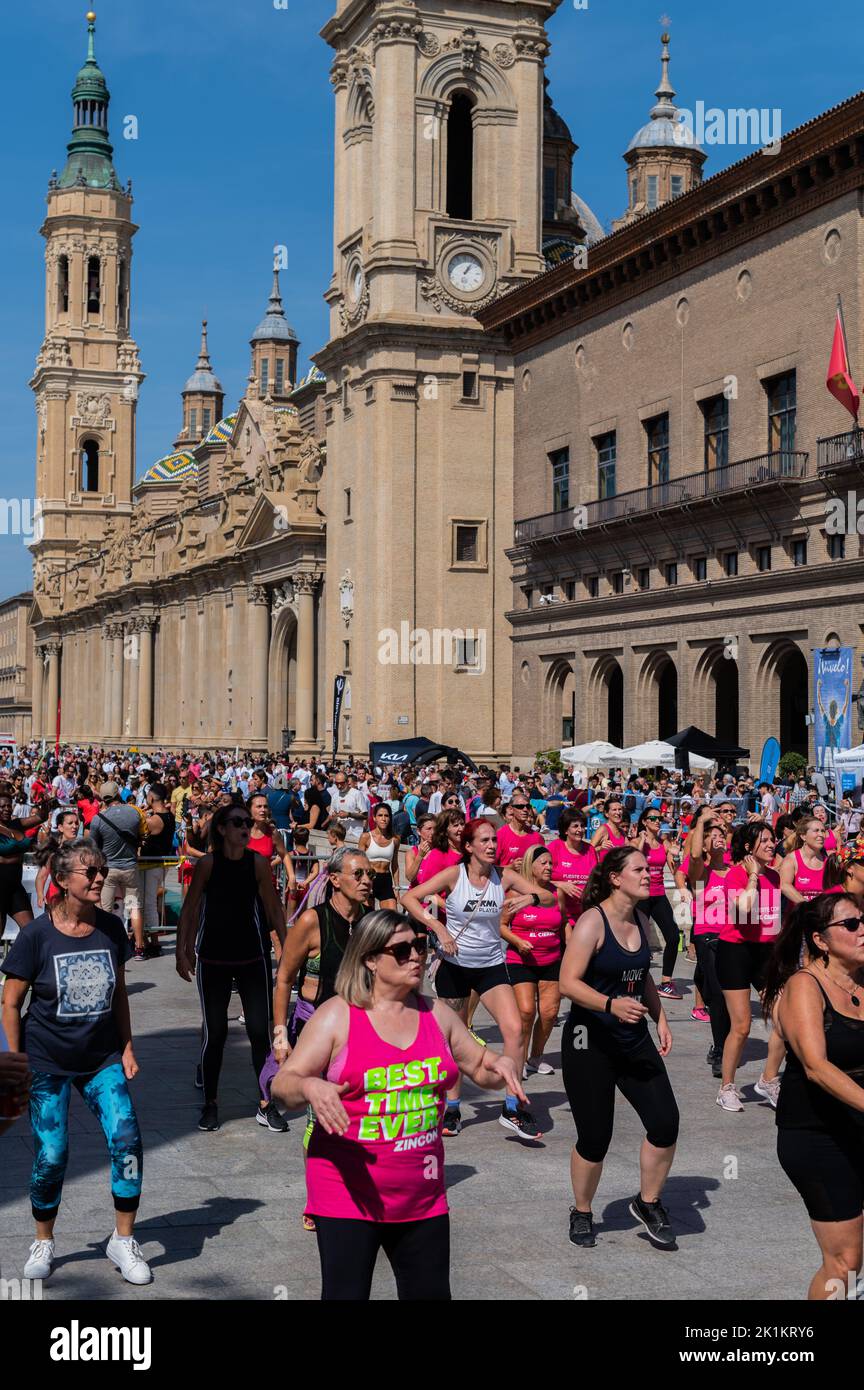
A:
{"x": 729, "y": 1099}
{"x": 41, "y": 1261}
{"x": 769, "y": 1090}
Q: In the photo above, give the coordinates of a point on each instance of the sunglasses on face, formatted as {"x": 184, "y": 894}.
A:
{"x": 358, "y": 874}
{"x": 655, "y": 819}
{"x": 91, "y": 872}
{"x": 239, "y": 823}
{"x": 847, "y": 923}
{"x": 402, "y": 950}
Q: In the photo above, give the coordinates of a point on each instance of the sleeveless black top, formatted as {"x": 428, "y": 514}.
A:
{"x": 335, "y": 933}
{"x": 160, "y": 846}
{"x": 616, "y": 972}
{"x": 805, "y": 1105}
{"x": 233, "y": 928}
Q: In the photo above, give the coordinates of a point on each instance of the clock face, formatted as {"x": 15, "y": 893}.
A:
{"x": 357, "y": 282}
{"x": 466, "y": 273}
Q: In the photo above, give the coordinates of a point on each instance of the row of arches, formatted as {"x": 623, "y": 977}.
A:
{"x": 657, "y": 705}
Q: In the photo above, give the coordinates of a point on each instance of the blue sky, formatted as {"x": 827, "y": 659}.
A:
{"x": 234, "y": 155}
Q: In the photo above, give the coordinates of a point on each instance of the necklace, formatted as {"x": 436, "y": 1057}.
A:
{"x": 851, "y": 992}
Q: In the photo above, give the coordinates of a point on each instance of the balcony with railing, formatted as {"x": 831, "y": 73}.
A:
{"x": 840, "y": 451}
{"x": 711, "y": 485}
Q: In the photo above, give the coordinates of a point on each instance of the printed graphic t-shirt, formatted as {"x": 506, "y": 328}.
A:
{"x": 69, "y": 1028}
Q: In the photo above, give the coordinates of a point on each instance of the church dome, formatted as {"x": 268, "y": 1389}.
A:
{"x": 221, "y": 433}
{"x": 274, "y": 327}
{"x": 173, "y": 468}
{"x": 665, "y": 129}
{"x": 203, "y": 379}
{"x": 592, "y": 224}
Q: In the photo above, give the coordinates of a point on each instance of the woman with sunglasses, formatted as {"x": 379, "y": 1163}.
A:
{"x": 471, "y": 952}
{"x": 374, "y": 1064}
{"x": 381, "y": 848}
{"x": 748, "y": 932}
{"x": 657, "y": 906}
{"x": 65, "y": 831}
{"x": 803, "y": 869}
{"x": 819, "y": 1006}
{"x": 77, "y": 1033}
{"x": 223, "y": 935}
{"x": 535, "y": 944}
{"x": 516, "y": 836}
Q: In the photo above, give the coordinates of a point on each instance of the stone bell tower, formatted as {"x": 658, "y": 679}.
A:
{"x": 87, "y": 372}
{"x": 438, "y": 176}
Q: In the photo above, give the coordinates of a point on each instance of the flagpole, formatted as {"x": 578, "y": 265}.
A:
{"x": 845, "y": 342}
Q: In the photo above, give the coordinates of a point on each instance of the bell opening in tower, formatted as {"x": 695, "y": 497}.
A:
{"x": 94, "y": 289}
{"x": 89, "y": 465}
{"x": 63, "y": 284}
{"x": 460, "y": 158}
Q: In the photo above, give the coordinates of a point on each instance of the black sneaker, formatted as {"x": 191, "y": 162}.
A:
{"x": 711, "y": 1055}
{"x": 209, "y": 1120}
{"x": 452, "y": 1122}
{"x": 717, "y": 1064}
{"x": 582, "y": 1229}
{"x": 655, "y": 1219}
{"x": 270, "y": 1118}
{"x": 520, "y": 1121}
{"x": 199, "y": 1078}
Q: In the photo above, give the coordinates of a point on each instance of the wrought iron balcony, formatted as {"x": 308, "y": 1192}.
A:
{"x": 711, "y": 484}
{"x": 841, "y": 451}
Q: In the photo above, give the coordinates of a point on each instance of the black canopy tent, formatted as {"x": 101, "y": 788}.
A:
{"x": 693, "y": 740}
{"x": 403, "y": 751}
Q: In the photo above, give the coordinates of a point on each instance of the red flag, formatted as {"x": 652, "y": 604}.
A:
{"x": 839, "y": 381}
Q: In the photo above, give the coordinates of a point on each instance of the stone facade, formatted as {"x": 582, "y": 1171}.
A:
{"x": 16, "y": 666}
{"x": 691, "y": 356}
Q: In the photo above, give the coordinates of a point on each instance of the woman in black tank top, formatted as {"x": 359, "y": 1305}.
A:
{"x": 227, "y": 916}
{"x": 819, "y": 1009}
{"x": 606, "y": 1044}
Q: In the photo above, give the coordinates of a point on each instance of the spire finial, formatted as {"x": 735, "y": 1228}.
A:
{"x": 275, "y": 303}
{"x": 665, "y": 89}
{"x": 203, "y": 363}
{"x": 91, "y": 36}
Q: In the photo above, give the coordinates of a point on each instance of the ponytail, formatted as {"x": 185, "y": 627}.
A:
{"x": 599, "y": 885}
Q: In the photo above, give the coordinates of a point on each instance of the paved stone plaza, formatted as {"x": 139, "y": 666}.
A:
{"x": 221, "y": 1213}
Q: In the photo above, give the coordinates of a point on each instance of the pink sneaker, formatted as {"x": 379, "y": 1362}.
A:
{"x": 700, "y": 1015}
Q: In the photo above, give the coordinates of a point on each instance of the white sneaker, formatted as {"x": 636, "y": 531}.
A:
{"x": 770, "y": 1090}
{"x": 41, "y": 1261}
{"x": 542, "y": 1068}
{"x": 125, "y": 1253}
{"x": 729, "y": 1099}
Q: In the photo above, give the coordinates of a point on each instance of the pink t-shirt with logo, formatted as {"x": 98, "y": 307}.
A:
{"x": 541, "y": 927}
{"x": 512, "y": 846}
{"x": 378, "y": 1170}
{"x": 808, "y": 881}
{"x": 762, "y": 923}
{"x": 568, "y": 867}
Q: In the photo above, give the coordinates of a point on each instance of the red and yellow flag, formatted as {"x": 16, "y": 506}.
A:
{"x": 839, "y": 381}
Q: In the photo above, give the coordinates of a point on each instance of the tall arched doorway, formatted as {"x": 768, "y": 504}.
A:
{"x": 794, "y": 703}
{"x": 667, "y": 700}
{"x": 615, "y": 705}
{"x": 726, "y": 701}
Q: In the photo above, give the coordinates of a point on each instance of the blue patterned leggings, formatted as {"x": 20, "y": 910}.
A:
{"x": 107, "y": 1096}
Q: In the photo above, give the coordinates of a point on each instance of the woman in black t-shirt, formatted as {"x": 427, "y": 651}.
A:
{"x": 77, "y": 1032}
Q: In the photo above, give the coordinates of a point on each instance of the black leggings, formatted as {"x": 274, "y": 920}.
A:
{"x": 592, "y": 1067}
{"x": 418, "y": 1251}
{"x": 663, "y": 913}
{"x": 254, "y": 984}
{"x": 705, "y": 980}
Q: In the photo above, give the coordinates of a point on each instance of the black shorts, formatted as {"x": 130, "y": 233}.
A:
{"x": 827, "y": 1170}
{"x": 741, "y": 964}
{"x": 382, "y": 888}
{"x": 454, "y": 981}
{"x": 13, "y": 895}
{"x": 521, "y": 973}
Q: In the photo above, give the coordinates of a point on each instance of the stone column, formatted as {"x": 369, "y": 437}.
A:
{"x": 305, "y": 586}
{"x": 50, "y": 716}
{"x": 36, "y": 693}
{"x": 131, "y": 654}
{"x": 106, "y": 679}
{"x": 145, "y": 677}
{"x": 259, "y": 602}
{"x": 115, "y": 727}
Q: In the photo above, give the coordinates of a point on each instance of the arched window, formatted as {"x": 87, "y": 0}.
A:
{"x": 89, "y": 465}
{"x": 460, "y": 158}
{"x": 94, "y": 287}
{"x": 63, "y": 284}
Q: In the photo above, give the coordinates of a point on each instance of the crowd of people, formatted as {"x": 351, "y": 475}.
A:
{"x": 391, "y": 906}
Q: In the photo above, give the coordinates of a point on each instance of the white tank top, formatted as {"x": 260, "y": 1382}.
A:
{"x": 476, "y": 929}
{"x": 380, "y": 856}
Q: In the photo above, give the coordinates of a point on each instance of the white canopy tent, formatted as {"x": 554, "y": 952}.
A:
{"x": 593, "y": 754}
{"x": 654, "y": 753}
{"x": 848, "y": 771}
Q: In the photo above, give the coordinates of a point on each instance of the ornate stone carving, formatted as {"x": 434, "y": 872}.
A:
{"x": 428, "y": 44}
{"x": 504, "y": 55}
{"x": 346, "y": 598}
{"x": 256, "y": 593}
{"x": 283, "y": 594}
{"x": 127, "y": 357}
{"x": 350, "y": 314}
{"x": 470, "y": 46}
{"x": 395, "y": 29}
{"x": 54, "y": 353}
{"x": 311, "y": 460}
{"x": 435, "y": 293}
{"x": 94, "y": 407}
{"x": 530, "y": 47}
{"x": 339, "y": 72}
{"x": 305, "y": 583}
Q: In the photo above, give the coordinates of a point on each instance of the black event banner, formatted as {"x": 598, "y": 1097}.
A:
{"x": 338, "y": 693}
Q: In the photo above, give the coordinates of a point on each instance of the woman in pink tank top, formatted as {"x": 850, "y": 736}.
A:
{"x": 573, "y": 858}
{"x": 613, "y": 834}
{"x": 803, "y": 869}
{"x": 375, "y": 1063}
